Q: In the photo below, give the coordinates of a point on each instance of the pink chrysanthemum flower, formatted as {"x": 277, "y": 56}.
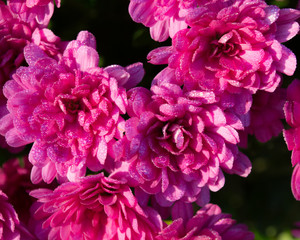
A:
{"x": 16, "y": 31}
{"x": 96, "y": 207}
{"x": 291, "y": 136}
{"x": 178, "y": 143}
{"x": 10, "y": 226}
{"x": 232, "y": 45}
{"x": 39, "y": 11}
{"x": 209, "y": 223}
{"x": 266, "y": 114}
{"x": 15, "y": 183}
{"x": 164, "y": 17}
{"x": 291, "y": 111}
{"x": 69, "y": 109}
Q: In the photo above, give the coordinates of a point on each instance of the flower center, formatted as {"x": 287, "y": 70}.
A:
{"x": 174, "y": 137}
{"x": 219, "y": 49}
{"x": 67, "y": 103}
{"x": 227, "y": 44}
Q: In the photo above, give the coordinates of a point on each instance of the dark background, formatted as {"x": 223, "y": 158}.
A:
{"x": 264, "y": 200}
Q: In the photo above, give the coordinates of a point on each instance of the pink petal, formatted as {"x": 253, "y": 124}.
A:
{"x": 102, "y": 151}
{"x": 242, "y": 165}
{"x": 287, "y": 31}
{"x": 86, "y": 57}
{"x": 160, "y": 31}
{"x": 287, "y": 63}
{"x": 48, "y": 172}
{"x": 87, "y": 39}
{"x": 14, "y": 139}
{"x": 33, "y": 53}
{"x": 296, "y": 182}
{"x": 136, "y": 72}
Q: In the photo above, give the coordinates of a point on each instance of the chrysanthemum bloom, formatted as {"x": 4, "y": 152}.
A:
{"x": 266, "y": 114}
{"x": 95, "y": 208}
{"x": 291, "y": 111}
{"x": 164, "y": 18}
{"x": 178, "y": 143}
{"x": 209, "y": 223}
{"x": 40, "y": 10}
{"x": 16, "y": 31}
{"x": 69, "y": 109}
{"x": 10, "y": 227}
{"x": 291, "y": 136}
{"x": 232, "y": 45}
{"x": 15, "y": 183}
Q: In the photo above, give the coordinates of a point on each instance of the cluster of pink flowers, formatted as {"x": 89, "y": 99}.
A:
{"x": 110, "y": 160}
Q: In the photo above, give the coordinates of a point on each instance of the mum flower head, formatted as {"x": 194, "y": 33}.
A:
{"x": 15, "y": 183}
{"x": 291, "y": 135}
{"x": 18, "y": 29}
{"x": 10, "y": 226}
{"x": 208, "y": 223}
{"x": 232, "y": 45}
{"x": 95, "y": 207}
{"x": 291, "y": 111}
{"x": 164, "y": 18}
{"x": 39, "y": 11}
{"x": 266, "y": 114}
{"x": 178, "y": 143}
{"x": 69, "y": 109}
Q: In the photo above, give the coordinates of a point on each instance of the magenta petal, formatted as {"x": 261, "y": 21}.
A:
{"x": 146, "y": 170}
{"x": 295, "y": 156}
{"x": 272, "y": 13}
{"x": 160, "y": 31}
{"x": 119, "y": 73}
{"x": 175, "y": 190}
{"x": 287, "y": 63}
{"x": 86, "y": 57}
{"x": 33, "y": 53}
{"x": 293, "y": 91}
{"x": 287, "y": 31}
{"x": 6, "y": 123}
{"x": 140, "y": 11}
{"x": 173, "y": 110}
{"x": 87, "y": 39}
{"x": 17, "y": 6}
{"x": 204, "y": 197}
{"x": 160, "y": 55}
{"x": 296, "y": 182}
{"x": 182, "y": 210}
{"x": 48, "y": 172}
{"x": 38, "y": 154}
{"x": 102, "y": 151}
{"x": 136, "y": 72}
{"x": 289, "y": 138}
{"x": 36, "y": 175}
{"x": 14, "y": 139}
{"x": 217, "y": 183}
{"x": 229, "y": 134}
{"x": 242, "y": 165}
